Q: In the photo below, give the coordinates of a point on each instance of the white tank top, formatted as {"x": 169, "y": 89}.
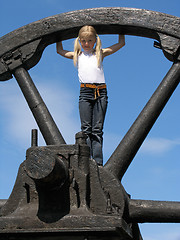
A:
{"x": 88, "y": 71}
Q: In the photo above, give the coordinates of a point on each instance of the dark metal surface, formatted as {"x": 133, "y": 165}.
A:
{"x": 2, "y": 202}
{"x": 34, "y": 138}
{"x": 60, "y": 193}
{"x": 60, "y": 190}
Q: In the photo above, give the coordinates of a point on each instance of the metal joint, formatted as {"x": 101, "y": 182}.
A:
{"x": 13, "y": 59}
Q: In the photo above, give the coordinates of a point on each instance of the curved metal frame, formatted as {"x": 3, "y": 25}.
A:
{"x": 27, "y": 50}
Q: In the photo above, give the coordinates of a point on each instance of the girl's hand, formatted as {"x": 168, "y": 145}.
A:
{"x": 62, "y": 52}
{"x": 114, "y": 48}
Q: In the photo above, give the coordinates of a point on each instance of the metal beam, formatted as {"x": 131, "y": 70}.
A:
{"x": 154, "y": 211}
{"x": 47, "y": 126}
{"x": 122, "y": 157}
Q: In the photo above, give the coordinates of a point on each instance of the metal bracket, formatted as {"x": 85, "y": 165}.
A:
{"x": 170, "y": 46}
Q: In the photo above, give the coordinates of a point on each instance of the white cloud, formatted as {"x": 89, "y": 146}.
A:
{"x": 111, "y": 141}
{"x": 151, "y": 146}
{"x": 159, "y": 145}
{"x": 18, "y": 119}
{"x": 168, "y": 235}
{"x": 63, "y": 106}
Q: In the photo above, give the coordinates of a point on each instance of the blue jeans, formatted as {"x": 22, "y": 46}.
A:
{"x": 92, "y": 114}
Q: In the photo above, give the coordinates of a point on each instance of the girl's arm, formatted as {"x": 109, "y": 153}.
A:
{"x": 62, "y": 52}
{"x": 114, "y": 48}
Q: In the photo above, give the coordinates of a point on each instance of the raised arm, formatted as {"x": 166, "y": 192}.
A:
{"x": 62, "y": 52}
{"x": 114, "y": 48}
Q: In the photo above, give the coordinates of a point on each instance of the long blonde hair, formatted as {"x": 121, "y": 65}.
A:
{"x": 77, "y": 47}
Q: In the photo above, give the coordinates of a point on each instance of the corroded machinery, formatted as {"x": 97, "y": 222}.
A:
{"x": 60, "y": 193}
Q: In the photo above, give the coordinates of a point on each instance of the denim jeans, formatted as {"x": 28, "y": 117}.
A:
{"x": 92, "y": 114}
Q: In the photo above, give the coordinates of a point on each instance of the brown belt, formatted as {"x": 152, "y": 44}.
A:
{"x": 96, "y": 87}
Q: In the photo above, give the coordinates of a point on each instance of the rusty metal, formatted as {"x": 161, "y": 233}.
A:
{"x": 60, "y": 193}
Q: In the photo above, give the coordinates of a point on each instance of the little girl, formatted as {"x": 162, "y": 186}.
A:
{"x": 93, "y": 92}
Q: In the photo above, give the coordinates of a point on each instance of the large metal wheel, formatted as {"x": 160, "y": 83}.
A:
{"x": 22, "y": 49}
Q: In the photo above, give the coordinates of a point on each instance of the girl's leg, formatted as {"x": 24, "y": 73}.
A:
{"x": 99, "y": 112}
{"x": 86, "y": 111}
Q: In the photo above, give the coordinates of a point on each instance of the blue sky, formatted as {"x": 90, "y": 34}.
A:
{"x": 132, "y": 75}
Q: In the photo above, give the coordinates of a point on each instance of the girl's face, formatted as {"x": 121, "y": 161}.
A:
{"x": 87, "y": 41}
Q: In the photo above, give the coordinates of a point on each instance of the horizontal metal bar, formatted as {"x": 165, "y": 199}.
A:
{"x": 154, "y": 211}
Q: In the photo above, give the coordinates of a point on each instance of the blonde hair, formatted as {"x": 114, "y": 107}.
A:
{"x": 77, "y": 47}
